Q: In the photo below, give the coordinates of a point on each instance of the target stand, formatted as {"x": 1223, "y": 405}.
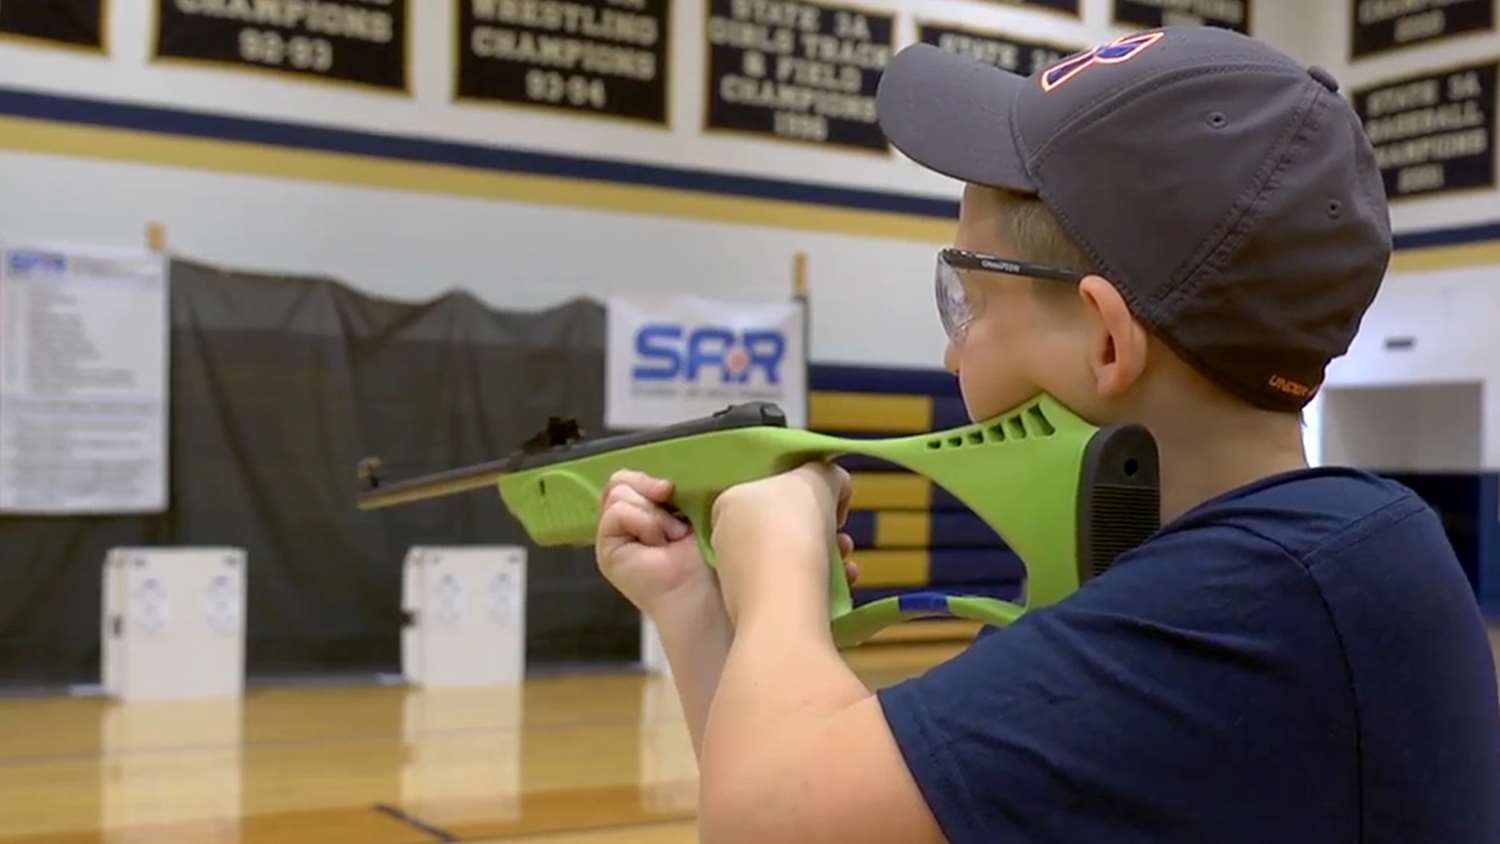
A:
{"x": 173, "y": 623}
{"x": 465, "y": 609}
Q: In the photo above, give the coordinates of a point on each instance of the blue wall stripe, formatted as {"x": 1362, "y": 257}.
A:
{"x": 870, "y": 379}
{"x": 972, "y": 565}
{"x": 1448, "y": 237}
{"x": 94, "y": 112}
{"x": 283, "y": 133}
{"x": 962, "y": 530}
{"x": 1489, "y": 543}
{"x": 861, "y": 463}
{"x": 942, "y": 500}
{"x": 948, "y": 412}
{"x": 861, "y": 527}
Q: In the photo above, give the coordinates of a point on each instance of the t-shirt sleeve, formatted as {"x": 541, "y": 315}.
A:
{"x": 1092, "y": 720}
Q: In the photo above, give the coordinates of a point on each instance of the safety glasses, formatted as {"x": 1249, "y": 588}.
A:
{"x": 959, "y": 305}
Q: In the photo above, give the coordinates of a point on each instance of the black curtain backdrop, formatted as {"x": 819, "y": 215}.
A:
{"x": 279, "y": 386}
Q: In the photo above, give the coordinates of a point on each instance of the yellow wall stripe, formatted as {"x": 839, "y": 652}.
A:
{"x": 18, "y": 134}
{"x": 868, "y": 412}
{"x": 903, "y": 530}
{"x": 890, "y": 491}
{"x": 1430, "y": 258}
{"x": 892, "y": 568}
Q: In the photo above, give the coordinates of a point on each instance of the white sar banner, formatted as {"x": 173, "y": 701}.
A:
{"x": 83, "y": 380}
{"x": 669, "y": 359}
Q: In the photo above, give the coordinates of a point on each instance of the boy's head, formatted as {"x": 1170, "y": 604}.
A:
{"x": 1193, "y": 209}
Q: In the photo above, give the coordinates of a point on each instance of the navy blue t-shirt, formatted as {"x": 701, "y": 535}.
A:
{"x": 1300, "y": 660}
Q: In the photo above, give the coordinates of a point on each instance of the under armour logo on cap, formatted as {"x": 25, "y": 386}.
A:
{"x": 1115, "y": 52}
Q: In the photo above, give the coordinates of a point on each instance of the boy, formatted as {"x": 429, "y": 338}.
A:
{"x": 1294, "y": 656}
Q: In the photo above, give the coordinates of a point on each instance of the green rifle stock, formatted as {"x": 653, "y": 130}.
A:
{"x": 1065, "y": 496}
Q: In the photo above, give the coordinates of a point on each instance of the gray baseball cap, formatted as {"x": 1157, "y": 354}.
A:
{"x": 1230, "y": 193}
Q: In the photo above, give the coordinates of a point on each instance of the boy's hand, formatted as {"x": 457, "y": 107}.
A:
{"x": 645, "y": 552}
{"x": 773, "y": 533}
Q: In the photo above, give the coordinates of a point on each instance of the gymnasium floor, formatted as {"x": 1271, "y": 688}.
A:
{"x": 596, "y": 758}
{"x": 579, "y": 759}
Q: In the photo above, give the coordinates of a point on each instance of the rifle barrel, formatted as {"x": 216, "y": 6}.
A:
{"x": 450, "y": 482}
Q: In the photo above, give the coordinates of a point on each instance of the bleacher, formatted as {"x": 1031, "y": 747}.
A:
{"x": 910, "y": 534}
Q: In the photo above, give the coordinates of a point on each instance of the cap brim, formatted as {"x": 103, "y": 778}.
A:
{"x": 953, "y": 114}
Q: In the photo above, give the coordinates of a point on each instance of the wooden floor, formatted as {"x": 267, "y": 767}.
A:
{"x": 591, "y": 759}
{"x": 600, "y": 758}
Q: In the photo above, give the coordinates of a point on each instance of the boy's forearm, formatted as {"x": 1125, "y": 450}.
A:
{"x": 783, "y": 680}
{"x": 783, "y": 675}
{"x": 695, "y": 633}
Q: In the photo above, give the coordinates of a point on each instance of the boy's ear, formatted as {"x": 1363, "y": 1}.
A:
{"x": 1117, "y": 343}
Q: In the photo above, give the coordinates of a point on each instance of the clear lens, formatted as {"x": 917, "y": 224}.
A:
{"x": 954, "y": 306}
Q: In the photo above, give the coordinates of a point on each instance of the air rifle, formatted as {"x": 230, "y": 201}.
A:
{"x": 1067, "y": 497}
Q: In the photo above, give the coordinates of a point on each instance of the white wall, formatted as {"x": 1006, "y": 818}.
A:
{"x": 872, "y": 298}
{"x": 1295, "y": 26}
{"x": 1450, "y": 315}
{"x": 1434, "y": 427}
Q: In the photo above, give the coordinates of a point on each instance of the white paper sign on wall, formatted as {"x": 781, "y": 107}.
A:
{"x": 674, "y": 358}
{"x": 84, "y": 339}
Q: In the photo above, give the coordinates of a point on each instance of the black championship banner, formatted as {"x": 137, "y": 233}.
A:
{"x": 1067, "y": 7}
{"x": 78, "y": 23}
{"x": 358, "y": 41}
{"x": 1433, "y": 133}
{"x": 1379, "y": 26}
{"x": 1006, "y": 52}
{"x": 1149, "y": 14}
{"x": 606, "y": 57}
{"x": 797, "y": 70}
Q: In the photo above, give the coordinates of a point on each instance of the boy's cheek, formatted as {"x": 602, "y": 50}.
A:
{"x": 990, "y": 387}
{"x": 951, "y": 358}
{"x": 996, "y": 363}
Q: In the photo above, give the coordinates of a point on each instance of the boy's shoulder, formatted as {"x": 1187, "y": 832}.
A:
{"x": 1295, "y": 533}
{"x": 1310, "y": 514}
{"x": 1274, "y": 655}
